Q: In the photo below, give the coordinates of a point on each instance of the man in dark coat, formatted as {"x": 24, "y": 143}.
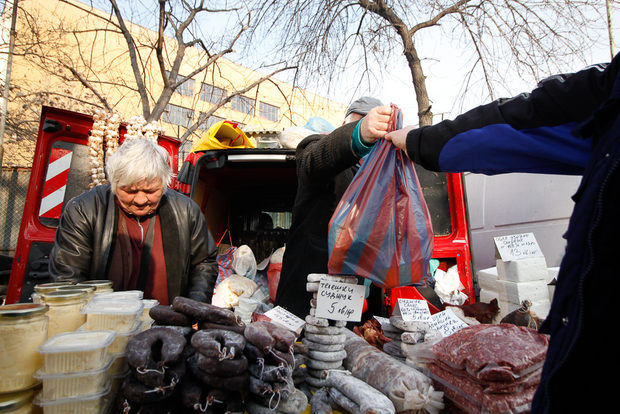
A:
{"x": 569, "y": 124}
{"x": 326, "y": 164}
{"x": 136, "y": 232}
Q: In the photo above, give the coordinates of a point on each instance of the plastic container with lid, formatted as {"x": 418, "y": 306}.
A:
{"x": 119, "y": 364}
{"x": 23, "y": 328}
{"x": 19, "y": 402}
{"x": 70, "y": 384}
{"x": 122, "y": 294}
{"x": 64, "y": 310}
{"x": 76, "y": 351}
{"x": 122, "y": 338}
{"x": 118, "y": 315}
{"x": 83, "y": 404}
{"x": 146, "y": 319}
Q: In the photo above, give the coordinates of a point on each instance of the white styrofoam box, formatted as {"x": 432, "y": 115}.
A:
{"x": 517, "y": 292}
{"x": 487, "y": 278}
{"x": 523, "y": 270}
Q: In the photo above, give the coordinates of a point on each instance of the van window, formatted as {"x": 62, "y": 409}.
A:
{"x": 67, "y": 175}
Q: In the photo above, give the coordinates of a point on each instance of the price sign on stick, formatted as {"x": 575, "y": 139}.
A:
{"x": 285, "y": 318}
{"x": 340, "y": 301}
{"x": 446, "y": 322}
{"x": 415, "y": 310}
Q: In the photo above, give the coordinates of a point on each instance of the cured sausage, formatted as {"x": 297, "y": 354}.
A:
{"x": 294, "y": 403}
{"x": 283, "y": 338}
{"x": 320, "y": 402}
{"x": 406, "y": 387}
{"x": 369, "y": 399}
{"x": 325, "y": 339}
{"x": 155, "y": 348}
{"x": 327, "y": 356}
{"x": 324, "y": 330}
{"x": 239, "y": 328}
{"x": 258, "y": 335}
{"x": 218, "y": 343}
{"x": 230, "y": 383}
{"x": 165, "y": 315}
{"x": 322, "y": 347}
{"x": 224, "y": 367}
{"x": 269, "y": 373}
{"x": 136, "y": 391}
{"x": 204, "y": 312}
{"x": 343, "y": 401}
{"x": 262, "y": 388}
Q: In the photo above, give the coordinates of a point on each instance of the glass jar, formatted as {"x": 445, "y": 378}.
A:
{"x": 42, "y": 288}
{"x": 23, "y": 328}
{"x": 19, "y": 402}
{"x": 64, "y": 310}
{"x": 101, "y": 285}
{"x": 89, "y": 289}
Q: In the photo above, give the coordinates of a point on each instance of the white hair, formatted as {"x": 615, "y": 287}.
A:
{"x": 138, "y": 160}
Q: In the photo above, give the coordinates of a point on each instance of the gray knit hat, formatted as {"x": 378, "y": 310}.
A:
{"x": 363, "y": 105}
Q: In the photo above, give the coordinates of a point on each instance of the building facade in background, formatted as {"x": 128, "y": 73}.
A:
{"x": 63, "y": 46}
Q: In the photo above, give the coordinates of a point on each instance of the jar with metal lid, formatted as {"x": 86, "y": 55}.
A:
{"x": 42, "y": 288}
{"x": 101, "y": 285}
{"x": 23, "y": 328}
{"x": 65, "y": 310}
{"x": 19, "y": 402}
{"x": 90, "y": 290}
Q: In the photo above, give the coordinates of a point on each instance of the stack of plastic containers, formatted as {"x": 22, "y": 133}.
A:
{"x": 23, "y": 328}
{"x": 74, "y": 375}
{"x": 121, "y": 313}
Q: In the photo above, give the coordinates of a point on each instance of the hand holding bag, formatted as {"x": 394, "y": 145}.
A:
{"x": 381, "y": 229}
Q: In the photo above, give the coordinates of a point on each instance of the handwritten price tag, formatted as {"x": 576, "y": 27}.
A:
{"x": 517, "y": 246}
{"x": 415, "y": 310}
{"x": 446, "y": 322}
{"x": 285, "y": 318}
{"x": 340, "y": 301}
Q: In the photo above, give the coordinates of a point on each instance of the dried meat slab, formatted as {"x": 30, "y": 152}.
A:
{"x": 470, "y": 397}
{"x": 493, "y": 352}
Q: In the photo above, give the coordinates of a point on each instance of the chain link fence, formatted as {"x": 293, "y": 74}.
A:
{"x": 13, "y": 188}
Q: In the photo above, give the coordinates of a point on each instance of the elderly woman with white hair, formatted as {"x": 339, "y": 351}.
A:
{"x": 136, "y": 232}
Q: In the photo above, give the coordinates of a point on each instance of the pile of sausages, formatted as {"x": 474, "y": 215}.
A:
{"x": 405, "y": 336}
{"x": 156, "y": 361}
{"x": 271, "y": 355}
{"x": 174, "y": 365}
{"x": 324, "y": 338}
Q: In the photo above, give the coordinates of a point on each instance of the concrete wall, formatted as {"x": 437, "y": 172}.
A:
{"x": 518, "y": 203}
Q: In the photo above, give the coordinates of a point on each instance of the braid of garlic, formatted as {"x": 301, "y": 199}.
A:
{"x": 95, "y": 148}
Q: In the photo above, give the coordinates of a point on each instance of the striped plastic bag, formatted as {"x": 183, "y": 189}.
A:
{"x": 381, "y": 229}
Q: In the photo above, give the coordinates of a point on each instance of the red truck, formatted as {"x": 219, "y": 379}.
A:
{"x": 233, "y": 187}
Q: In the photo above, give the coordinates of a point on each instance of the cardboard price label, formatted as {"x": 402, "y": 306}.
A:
{"x": 285, "y": 318}
{"x": 340, "y": 301}
{"x": 517, "y": 246}
{"x": 446, "y": 322}
{"x": 415, "y": 310}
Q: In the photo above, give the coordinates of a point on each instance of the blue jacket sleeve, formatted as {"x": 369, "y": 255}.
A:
{"x": 532, "y": 132}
